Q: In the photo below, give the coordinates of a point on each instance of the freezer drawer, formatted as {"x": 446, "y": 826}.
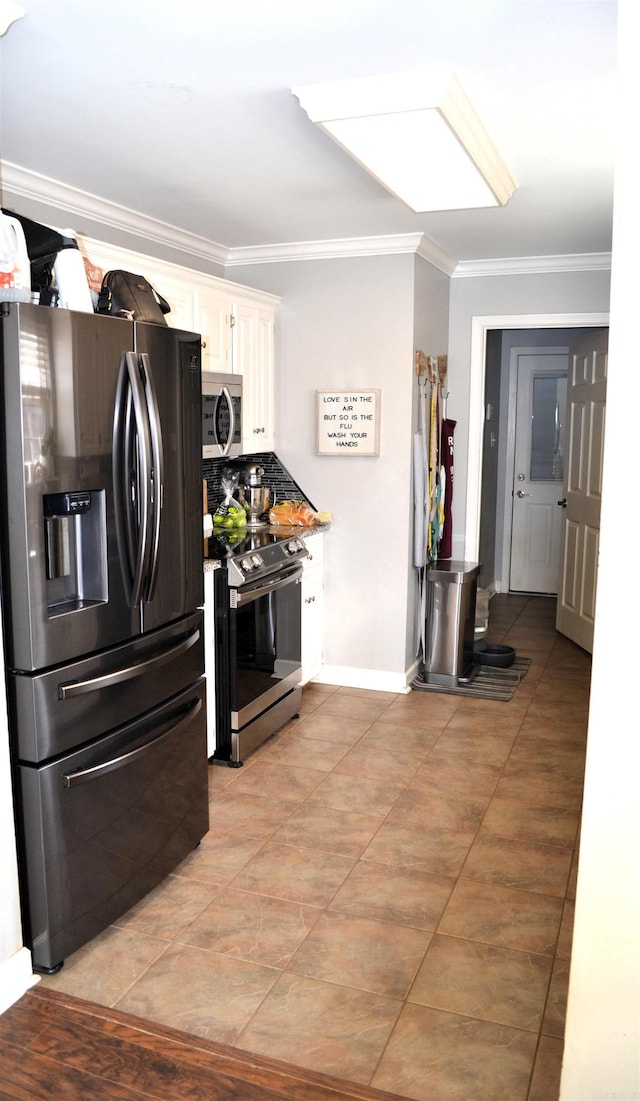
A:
{"x": 71, "y": 705}
{"x": 100, "y": 827}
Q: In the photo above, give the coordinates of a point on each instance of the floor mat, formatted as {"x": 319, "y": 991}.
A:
{"x": 488, "y": 683}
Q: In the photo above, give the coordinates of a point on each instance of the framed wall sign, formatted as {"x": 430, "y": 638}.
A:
{"x": 347, "y": 422}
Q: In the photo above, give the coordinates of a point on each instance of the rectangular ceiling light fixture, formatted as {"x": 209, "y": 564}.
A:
{"x": 417, "y": 133}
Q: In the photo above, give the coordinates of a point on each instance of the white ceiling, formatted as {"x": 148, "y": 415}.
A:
{"x": 182, "y": 109}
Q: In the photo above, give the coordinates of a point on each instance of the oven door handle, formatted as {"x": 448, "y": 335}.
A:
{"x": 84, "y": 775}
{"x": 247, "y": 593}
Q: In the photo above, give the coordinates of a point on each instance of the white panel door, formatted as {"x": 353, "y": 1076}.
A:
{"x": 586, "y": 404}
{"x": 536, "y": 522}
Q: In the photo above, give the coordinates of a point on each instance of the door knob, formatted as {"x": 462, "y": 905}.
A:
{"x": 563, "y": 502}
{"x": 521, "y": 493}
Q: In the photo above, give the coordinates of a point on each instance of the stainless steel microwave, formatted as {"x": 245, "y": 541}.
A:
{"x": 221, "y": 415}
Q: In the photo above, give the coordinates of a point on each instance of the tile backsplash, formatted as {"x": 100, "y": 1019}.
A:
{"x": 275, "y": 475}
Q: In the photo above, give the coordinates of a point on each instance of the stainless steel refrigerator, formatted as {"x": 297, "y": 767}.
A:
{"x": 102, "y": 593}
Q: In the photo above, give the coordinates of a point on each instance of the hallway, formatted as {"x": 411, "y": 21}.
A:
{"x": 386, "y": 891}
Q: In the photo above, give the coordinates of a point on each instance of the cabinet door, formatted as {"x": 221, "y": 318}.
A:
{"x": 180, "y": 297}
{"x": 253, "y": 359}
{"x": 312, "y": 607}
{"x": 213, "y": 322}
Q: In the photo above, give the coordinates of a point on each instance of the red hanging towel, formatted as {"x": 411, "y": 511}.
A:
{"x": 446, "y": 459}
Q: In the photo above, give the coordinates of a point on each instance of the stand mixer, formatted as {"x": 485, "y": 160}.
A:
{"x": 255, "y": 497}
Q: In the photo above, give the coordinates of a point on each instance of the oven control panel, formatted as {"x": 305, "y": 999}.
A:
{"x": 254, "y": 563}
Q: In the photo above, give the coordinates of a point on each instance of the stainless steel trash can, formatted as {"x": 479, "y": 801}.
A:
{"x": 450, "y": 626}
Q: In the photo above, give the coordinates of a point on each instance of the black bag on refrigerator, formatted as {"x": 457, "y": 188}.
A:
{"x": 124, "y": 294}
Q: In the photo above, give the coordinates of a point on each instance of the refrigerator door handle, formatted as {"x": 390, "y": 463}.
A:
{"x": 84, "y": 775}
{"x": 94, "y": 684}
{"x": 156, "y": 484}
{"x": 132, "y": 477}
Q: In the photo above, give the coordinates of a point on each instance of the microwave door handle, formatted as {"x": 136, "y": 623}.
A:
{"x": 156, "y": 475}
{"x": 224, "y": 393}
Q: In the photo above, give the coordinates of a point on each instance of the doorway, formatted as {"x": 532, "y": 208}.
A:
{"x": 520, "y": 522}
{"x": 486, "y": 338}
{"x": 535, "y": 467}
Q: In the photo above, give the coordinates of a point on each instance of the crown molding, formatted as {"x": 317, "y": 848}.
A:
{"x": 20, "y": 183}
{"x": 24, "y": 184}
{"x": 534, "y": 265}
{"x": 392, "y": 244}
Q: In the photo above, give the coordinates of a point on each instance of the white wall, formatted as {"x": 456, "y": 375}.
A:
{"x": 602, "y": 1038}
{"x": 15, "y": 961}
{"x": 431, "y": 333}
{"x": 350, "y": 323}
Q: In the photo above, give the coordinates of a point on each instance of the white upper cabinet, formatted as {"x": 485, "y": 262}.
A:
{"x": 180, "y": 298}
{"x": 253, "y": 344}
{"x": 212, "y": 319}
{"x": 236, "y": 324}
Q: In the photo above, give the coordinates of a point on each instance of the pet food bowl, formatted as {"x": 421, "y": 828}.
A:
{"x": 500, "y": 657}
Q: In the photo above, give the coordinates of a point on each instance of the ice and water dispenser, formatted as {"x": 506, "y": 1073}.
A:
{"x": 75, "y": 526}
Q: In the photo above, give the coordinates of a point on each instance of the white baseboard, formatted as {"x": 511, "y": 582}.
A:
{"x": 16, "y": 977}
{"x": 375, "y": 680}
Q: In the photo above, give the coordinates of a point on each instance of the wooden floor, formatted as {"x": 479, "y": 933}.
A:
{"x": 55, "y": 1046}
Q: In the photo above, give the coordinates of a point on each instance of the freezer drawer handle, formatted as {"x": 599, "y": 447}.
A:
{"x": 81, "y": 687}
{"x": 84, "y": 775}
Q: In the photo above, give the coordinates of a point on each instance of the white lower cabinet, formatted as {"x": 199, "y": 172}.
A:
{"x": 312, "y": 607}
{"x": 210, "y": 660}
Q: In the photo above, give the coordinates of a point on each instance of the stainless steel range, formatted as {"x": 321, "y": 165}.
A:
{"x": 257, "y": 637}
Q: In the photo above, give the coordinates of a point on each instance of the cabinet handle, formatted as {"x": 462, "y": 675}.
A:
{"x": 204, "y": 344}
{"x": 257, "y": 430}
{"x": 310, "y": 600}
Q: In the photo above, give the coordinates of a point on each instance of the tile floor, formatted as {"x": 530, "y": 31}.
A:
{"x": 386, "y": 890}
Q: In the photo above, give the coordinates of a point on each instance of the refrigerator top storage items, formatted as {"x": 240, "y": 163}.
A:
{"x": 15, "y": 268}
